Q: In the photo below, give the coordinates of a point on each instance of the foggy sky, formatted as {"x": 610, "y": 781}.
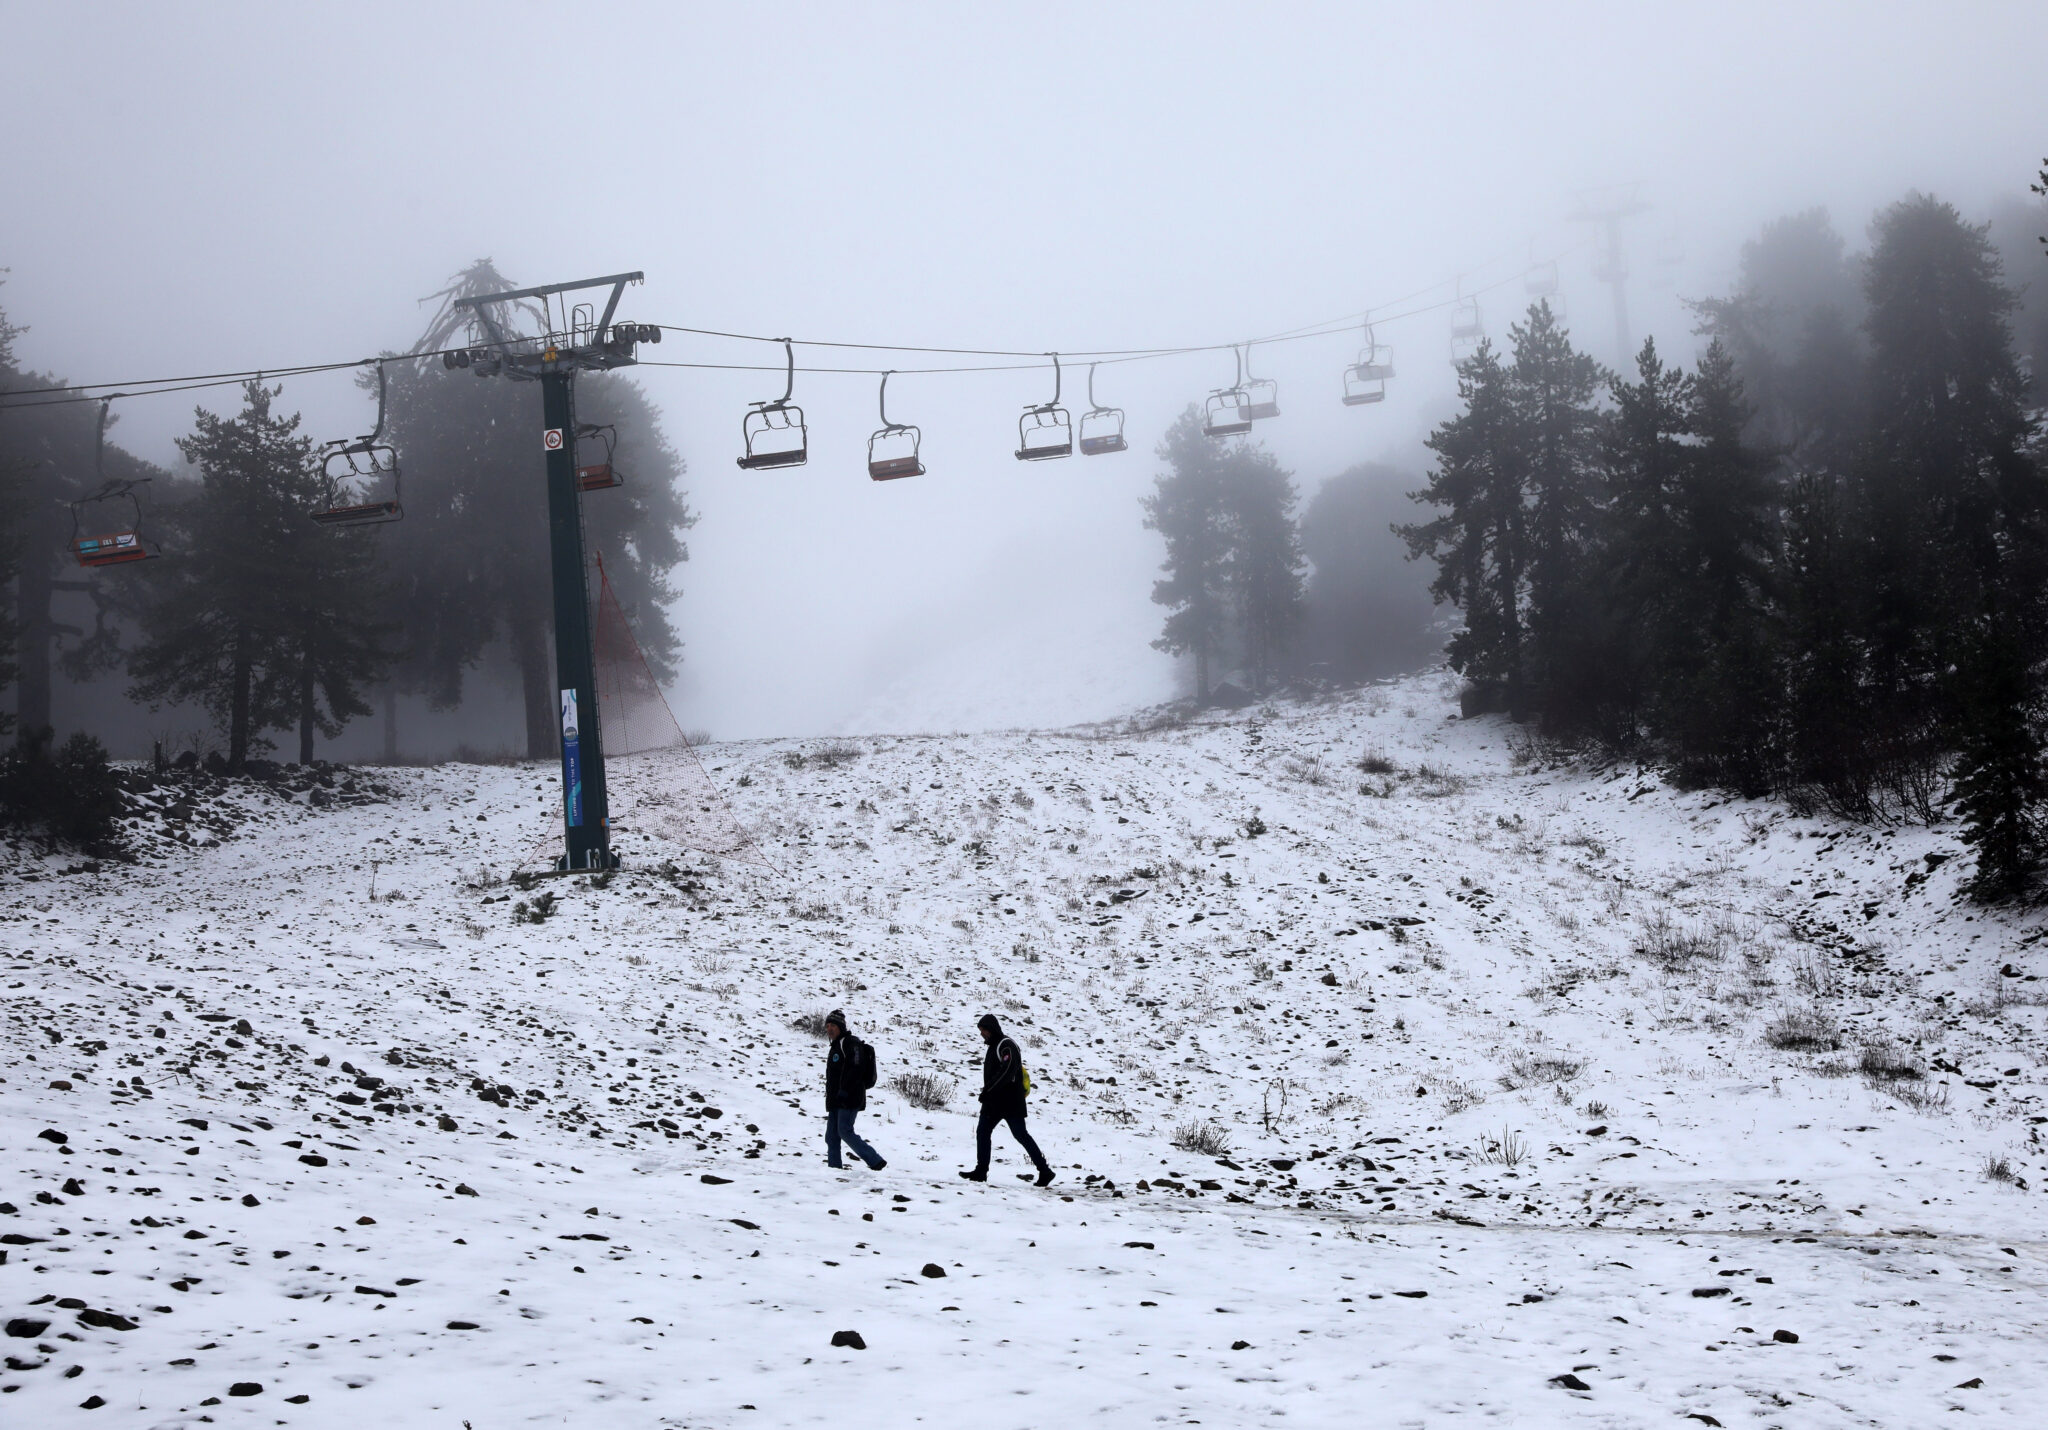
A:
{"x": 194, "y": 188}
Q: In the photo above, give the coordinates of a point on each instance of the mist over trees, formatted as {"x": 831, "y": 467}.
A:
{"x": 1816, "y": 564}
{"x": 269, "y": 623}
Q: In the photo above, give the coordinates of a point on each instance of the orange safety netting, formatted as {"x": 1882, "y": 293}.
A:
{"x": 656, "y": 783}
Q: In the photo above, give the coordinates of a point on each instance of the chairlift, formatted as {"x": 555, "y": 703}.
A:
{"x": 1046, "y": 430}
{"x": 1468, "y": 330}
{"x": 774, "y": 432}
{"x": 1107, "y": 433}
{"x": 1263, "y": 392}
{"x": 357, "y": 473}
{"x": 597, "y": 476}
{"x": 117, "y": 534}
{"x": 1366, "y": 380}
{"x": 1541, "y": 280}
{"x": 893, "y": 449}
{"x": 1228, "y": 412}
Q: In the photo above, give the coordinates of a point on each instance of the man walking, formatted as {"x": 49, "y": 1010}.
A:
{"x": 849, "y": 1073}
{"x": 1004, "y": 1084}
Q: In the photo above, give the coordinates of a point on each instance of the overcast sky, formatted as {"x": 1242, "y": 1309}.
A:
{"x": 201, "y": 187}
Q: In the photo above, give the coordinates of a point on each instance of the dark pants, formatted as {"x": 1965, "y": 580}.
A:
{"x": 983, "y": 1129}
{"x": 839, "y": 1128}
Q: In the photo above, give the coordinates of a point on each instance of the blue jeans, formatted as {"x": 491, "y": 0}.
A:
{"x": 839, "y": 1128}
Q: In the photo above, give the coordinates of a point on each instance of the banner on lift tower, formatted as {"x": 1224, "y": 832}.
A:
{"x": 572, "y": 761}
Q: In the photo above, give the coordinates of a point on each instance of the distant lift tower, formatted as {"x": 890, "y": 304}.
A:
{"x": 1608, "y": 207}
{"x": 571, "y": 340}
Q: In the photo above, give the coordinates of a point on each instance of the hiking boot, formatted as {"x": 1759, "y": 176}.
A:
{"x": 975, "y": 1176}
{"x": 1044, "y": 1176}
{"x": 878, "y": 1164}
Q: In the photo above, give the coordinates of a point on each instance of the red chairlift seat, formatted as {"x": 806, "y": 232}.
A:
{"x": 115, "y": 548}
{"x": 598, "y": 476}
{"x": 769, "y": 427}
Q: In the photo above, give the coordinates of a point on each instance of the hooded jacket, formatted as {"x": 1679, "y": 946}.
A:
{"x": 845, "y": 1090}
{"x": 1002, "y": 1070}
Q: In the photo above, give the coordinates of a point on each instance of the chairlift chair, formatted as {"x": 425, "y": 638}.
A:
{"x": 1366, "y": 380}
{"x": 1102, "y": 428}
{"x": 598, "y": 476}
{"x": 1539, "y": 284}
{"x": 116, "y": 536}
{"x": 774, "y": 432}
{"x": 1468, "y": 329}
{"x": 893, "y": 449}
{"x": 1228, "y": 411}
{"x": 1263, "y": 393}
{"x": 1046, "y": 430}
{"x": 358, "y": 473}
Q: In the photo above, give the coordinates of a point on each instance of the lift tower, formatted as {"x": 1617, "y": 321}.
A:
{"x": 1608, "y": 207}
{"x": 571, "y": 340}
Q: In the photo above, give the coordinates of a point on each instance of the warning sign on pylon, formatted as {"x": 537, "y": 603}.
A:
{"x": 553, "y": 440}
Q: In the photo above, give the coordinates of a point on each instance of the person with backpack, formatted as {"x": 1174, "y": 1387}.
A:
{"x": 849, "y": 1073}
{"x": 1004, "y": 1084}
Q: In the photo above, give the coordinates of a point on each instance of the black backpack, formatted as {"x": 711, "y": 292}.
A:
{"x": 864, "y": 1063}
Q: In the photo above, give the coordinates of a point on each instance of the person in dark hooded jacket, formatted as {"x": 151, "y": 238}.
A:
{"x": 1002, "y": 1100}
{"x": 847, "y": 1064}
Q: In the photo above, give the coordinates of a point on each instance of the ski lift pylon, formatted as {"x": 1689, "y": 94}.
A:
{"x": 1263, "y": 393}
{"x": 1228, "y": 411}
{"x": 893, "y": 449}
{"x": 770, "y": 428}
{"x": 357, "y": 472}
{"x": 1046, "y": 430}
{"x": 111, "y": 543}
{"x": 598, "y": 476}
{"x": 1102, "y": 428}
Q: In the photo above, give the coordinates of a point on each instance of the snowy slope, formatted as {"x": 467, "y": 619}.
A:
{"x": 406, "y": 1161}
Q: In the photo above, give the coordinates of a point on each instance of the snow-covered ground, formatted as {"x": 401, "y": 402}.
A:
{"x": 1489, "y": 1038}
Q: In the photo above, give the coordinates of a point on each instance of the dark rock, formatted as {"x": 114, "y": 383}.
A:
{"x": 373, "y": 1291}
{"x": 195, "y": 1236}
{"x": 932, "y": 1268}
{"x": 714, "y": 1181}
{"x": 1240, "y": 1345}
{"x": 1568, "y": 1381}
{"x": 312, "y": 1159}
{"x": 245, "y": 1387}
{"x": 1600, "y": 1131}
{"x": 51, "y": 1134}
{"x": 297, "y": 1399}
{"x": 366, "y": 1221}
{"x": 1412, "y": 1295}
{"x": 1281, "y": 1164}
{"x": 1140, "y": 1245}
{"x": 462, "y": 1325}
{"x": 71, "y": 1303}
{"x": 464, "y": 1189}
{"x": 1785, "y": 1338}
{"x": 105, "y": 1320}
{"x": 15, "y": 1238}
{"x": 850, "y": 1339}
{"x": 249, "y": 1200}
{"x": 1702, "y": 1417}
{"x": 198, "y": 1122}
{"x": 445, "y": 1122}
{"x": 745, "y": 1224}
{"x": 91, "y": 1402}
{"x": 72, "y": 1188}
{"x": 25, "y": 1328}
{"x": 1975, "y": 1382}
{"x": 1705, "y": 1291}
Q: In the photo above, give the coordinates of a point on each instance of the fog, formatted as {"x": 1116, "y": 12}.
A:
{"x": 201, "y": 189}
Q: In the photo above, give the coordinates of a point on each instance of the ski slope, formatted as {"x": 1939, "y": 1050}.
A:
{"x": 1484, "y": 1032}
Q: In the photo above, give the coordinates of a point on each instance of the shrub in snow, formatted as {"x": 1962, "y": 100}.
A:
{"x": 810, "y": 1022}
{"x": 923, "y": 1090}
{"x": 1803, "y": 1030}
{"x": 1202, "y": 1138}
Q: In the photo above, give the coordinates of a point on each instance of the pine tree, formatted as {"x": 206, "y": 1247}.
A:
{"x": 1477, "y": 540}
{"x": 1265, "y": 565}
{"x": 14, "y": 501}
{"x": 1958, "y": 517}
{"x": 1553, "y": 391}
{"x": 1190, "y": 509}
{"x": 267, "y": 619}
